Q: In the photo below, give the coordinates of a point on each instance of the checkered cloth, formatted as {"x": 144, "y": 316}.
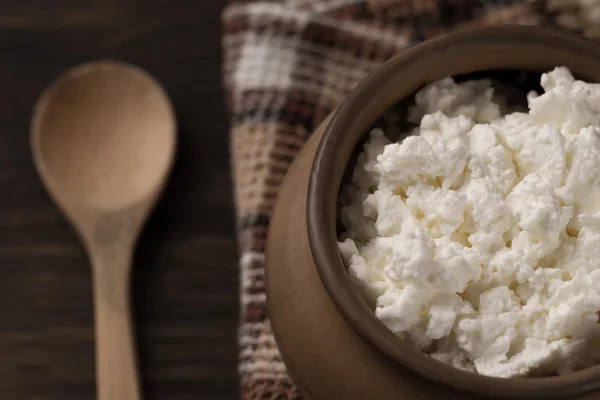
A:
{"x": 287, "y": 64}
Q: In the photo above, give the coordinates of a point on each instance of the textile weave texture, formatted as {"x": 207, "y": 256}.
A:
{"x": 286, "y": 65}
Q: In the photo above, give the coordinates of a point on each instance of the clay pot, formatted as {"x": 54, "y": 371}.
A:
{"x": 331, "y": 342}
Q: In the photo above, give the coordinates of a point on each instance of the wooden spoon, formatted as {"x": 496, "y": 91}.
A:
{"x": 103, "y": 139}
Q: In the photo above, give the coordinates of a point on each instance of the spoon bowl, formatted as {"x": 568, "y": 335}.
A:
{"x": 103, "y": 141}
{"x": 104, "y": 135}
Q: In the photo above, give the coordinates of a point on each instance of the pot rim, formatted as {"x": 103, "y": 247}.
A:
{"x": 326, "y": 175}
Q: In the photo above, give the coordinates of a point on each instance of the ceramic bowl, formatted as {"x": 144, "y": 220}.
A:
{"x": 331, "y": 341}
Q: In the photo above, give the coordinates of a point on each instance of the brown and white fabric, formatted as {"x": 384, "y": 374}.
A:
{"x": 286, "y": 65}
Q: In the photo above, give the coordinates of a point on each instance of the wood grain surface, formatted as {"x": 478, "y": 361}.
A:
{"x": 185, "y": 272}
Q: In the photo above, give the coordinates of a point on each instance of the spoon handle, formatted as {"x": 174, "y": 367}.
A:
{"x": 116, "y": 365}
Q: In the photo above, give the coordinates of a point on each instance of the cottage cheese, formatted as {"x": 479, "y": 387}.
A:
{"x": 477, "y": 239}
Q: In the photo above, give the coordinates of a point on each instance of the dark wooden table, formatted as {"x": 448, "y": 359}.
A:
{"x": 185, "y": 290}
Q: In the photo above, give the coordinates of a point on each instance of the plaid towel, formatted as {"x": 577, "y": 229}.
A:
{"x": 287, "y": 64}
